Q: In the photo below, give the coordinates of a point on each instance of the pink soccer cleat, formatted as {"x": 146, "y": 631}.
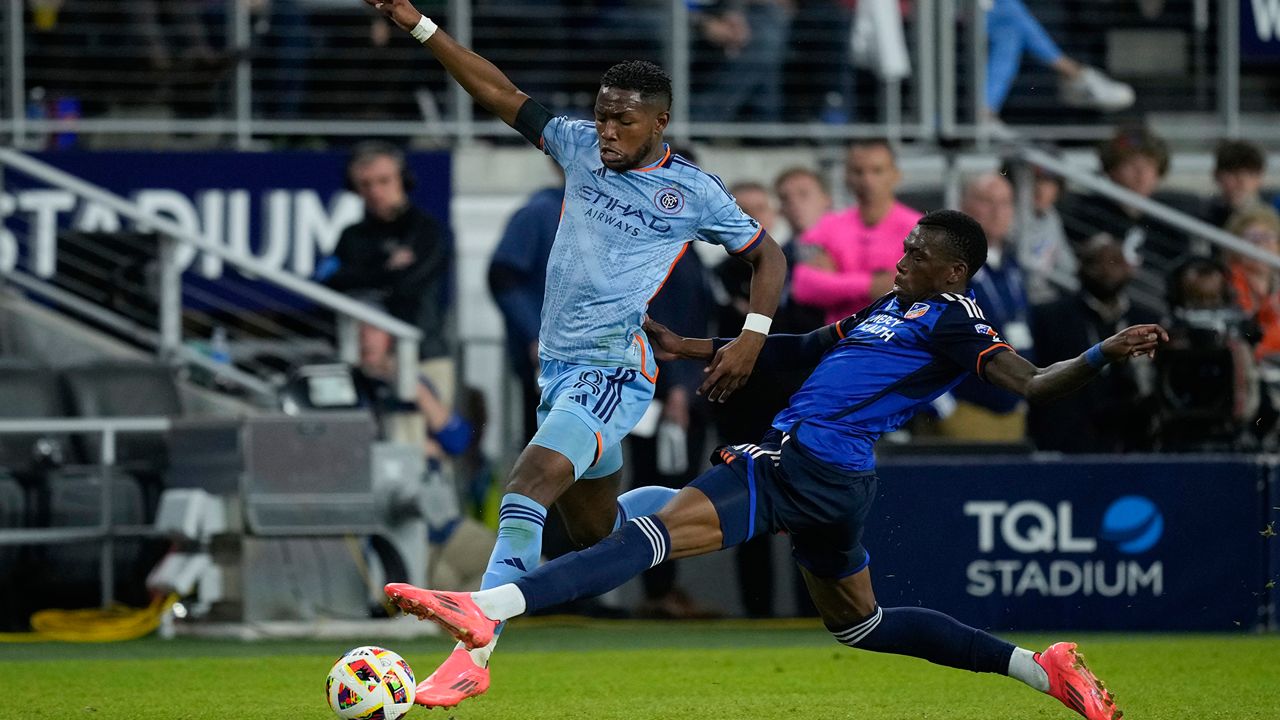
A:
{"x": 453, "y": 611}
{"x": 457, "y": 679}
{"x": 1071, "y": 681}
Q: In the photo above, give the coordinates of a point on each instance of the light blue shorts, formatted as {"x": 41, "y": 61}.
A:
{"x": 586, "y": 410}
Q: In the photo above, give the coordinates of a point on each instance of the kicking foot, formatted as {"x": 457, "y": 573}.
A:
{"x": 457, "y": 679}
{"x": 1091, "y": 88}
{"x": 1071, "y": 681}
{"x": 453, "y": 611}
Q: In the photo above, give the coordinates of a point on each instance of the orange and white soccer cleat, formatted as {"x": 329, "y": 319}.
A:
{"x": 453, "y": 611}
{"x": 457, "y": 679}
{"x": 1071, "y": 681}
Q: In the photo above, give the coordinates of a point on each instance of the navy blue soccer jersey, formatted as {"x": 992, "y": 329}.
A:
{"x": 887, "y": 362}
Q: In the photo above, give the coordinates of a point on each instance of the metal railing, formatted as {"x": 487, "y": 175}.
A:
{"x": 302, "y": 69}
{"x": 106, "y": 531}
{"x": 167, "y": 339}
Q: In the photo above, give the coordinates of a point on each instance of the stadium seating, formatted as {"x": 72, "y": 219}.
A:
{"x": 30, "y": 391}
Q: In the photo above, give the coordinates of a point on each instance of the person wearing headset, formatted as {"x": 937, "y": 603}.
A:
{"x": 397, "y": 256}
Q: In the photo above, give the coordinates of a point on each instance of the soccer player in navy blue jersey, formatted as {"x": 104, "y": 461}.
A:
{"x": 631, "y": 209}
{"x": 813, "y": 475}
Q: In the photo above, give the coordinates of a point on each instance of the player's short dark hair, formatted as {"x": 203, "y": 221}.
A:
{"x": 652, "y": 82}
{"x": 876, "y": 142}
{"x": 799, "y": 171}
{"x": 1131, "y": 141}
{"x": 1239, "y": 156}
{"x": 961, "y": 235}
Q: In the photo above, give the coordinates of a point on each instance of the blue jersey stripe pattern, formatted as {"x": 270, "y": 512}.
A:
{"x": 891, "y": 361}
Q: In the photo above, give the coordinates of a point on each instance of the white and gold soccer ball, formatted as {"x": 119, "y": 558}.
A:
{"x": 370, "y": 683}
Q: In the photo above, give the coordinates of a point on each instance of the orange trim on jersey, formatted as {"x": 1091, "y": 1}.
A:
{"x": 561, "y": 211}
{"x": 668, "y": 275}
{"x": 840, "y": 329}
{"x": 644, "y": 351}
{"x": 599, "y": 449}
{"x": 978, "y": 370}
{"x": 750, "y": 243}
{"x": 658, "y": 164}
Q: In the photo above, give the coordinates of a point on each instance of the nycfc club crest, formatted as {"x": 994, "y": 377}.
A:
{"x": 669, "y": 200}
{"x": 917, "y": 310}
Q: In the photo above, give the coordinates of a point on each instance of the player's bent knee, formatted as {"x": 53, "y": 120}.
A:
{"x": 855, "y": 632}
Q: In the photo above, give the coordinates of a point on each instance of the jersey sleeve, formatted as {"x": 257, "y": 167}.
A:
{"x": 567, "y": 140}
{"x": 966, "y": 338}
{"x": 724, "y": 223}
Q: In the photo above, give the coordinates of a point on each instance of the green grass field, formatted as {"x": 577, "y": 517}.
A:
{"x": 548, "y": 669}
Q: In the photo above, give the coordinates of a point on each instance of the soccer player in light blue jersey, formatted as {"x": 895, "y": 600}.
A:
{"x": 631, "y": 209}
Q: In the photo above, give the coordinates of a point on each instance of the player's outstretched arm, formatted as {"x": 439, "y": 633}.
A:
{"x": 732, "y": 364}
{"x": 1014, "y": 373}
{"x": 479, "y": 77}
{"x": 780, "y": 352}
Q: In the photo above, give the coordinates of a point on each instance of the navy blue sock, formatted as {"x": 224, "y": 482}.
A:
{"x": 930, "y": 635}
{"x": 637, "y": 546}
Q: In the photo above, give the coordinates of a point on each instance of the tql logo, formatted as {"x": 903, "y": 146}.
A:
{"x": 1133, "y": 523}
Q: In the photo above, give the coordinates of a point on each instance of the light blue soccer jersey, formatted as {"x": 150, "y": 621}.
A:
{"x": 620, "y": 235}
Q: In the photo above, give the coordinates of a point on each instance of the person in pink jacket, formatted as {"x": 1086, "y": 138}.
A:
{"x": 846, "y": 260}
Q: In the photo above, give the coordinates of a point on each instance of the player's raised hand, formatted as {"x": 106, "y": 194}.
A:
{"x": 400, "y": 12}
{"x": 1134, "y": 341}
{"x": 731, "y": 366}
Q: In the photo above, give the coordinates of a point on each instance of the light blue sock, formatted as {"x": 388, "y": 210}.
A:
{"x": 642, "y": 501}
{"x": 519, "y": 545}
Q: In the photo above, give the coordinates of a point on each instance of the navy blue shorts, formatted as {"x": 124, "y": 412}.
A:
{"x": 771, "y": 488}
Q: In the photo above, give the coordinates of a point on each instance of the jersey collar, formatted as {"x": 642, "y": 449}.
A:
{"x": 661, "y": 162}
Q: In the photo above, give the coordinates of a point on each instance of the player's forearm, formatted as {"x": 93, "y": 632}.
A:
{"x": 1059, "y": 379}
{"x": 696, "y": 349}
{"x": 791, "y": 352}
{"x": 480, "y": 78}
{"x": 768, "y": 275}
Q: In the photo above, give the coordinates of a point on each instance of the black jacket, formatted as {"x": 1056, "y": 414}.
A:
{"x": 420, "y": 293}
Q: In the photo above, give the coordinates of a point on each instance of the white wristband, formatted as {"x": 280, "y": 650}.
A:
{"x": 423, "y": 30}
{"x": 757, "y": 323}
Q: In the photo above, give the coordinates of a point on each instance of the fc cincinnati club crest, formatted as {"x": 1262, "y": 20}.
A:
{"x": 917, "y": 310}
{"x": 669, "y": 200}
{"x": 987, "y": 330}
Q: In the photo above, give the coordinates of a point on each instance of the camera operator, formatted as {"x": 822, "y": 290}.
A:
{"x": 1207, "y": 385}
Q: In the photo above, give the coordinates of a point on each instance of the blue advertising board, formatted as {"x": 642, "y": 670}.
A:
{"x": 285, "y": 209}
{"x": 1259, "y": 30}
{"x": 1151, "y": 543}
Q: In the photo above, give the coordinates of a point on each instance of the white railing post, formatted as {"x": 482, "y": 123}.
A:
{"x": 348, "y": 337}
{"x": 678, "y": 61}
{"x": 947, "y": 62}
{"x": 17, "y": 72}
{"x": 460, "y": 27}
{"x": 927, "y": 68}
{"x": 241, "y": 34}
{"x": 170, "y": 299}
{"x": 1229, "y": 66}
{"x": 978, "y": 71}
{"x": 106, "y": 558}
{"x": 406, "y": 368}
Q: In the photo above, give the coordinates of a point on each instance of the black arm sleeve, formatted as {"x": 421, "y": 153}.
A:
{"x": 791, "y": 352}
{"x": 530, "y": 120}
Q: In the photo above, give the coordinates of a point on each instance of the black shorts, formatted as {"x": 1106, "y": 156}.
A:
{"x": 771, "y": 488}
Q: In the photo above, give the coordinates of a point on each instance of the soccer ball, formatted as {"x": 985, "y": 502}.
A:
{"x": 370, "y": 683}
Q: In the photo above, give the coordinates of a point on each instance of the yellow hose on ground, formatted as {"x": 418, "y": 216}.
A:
{"x": 94, "y": 625}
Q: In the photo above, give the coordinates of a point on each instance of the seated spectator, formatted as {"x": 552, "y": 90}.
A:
{"x": 1046, "y": 257}
{"x": 1238, "y": 170}
{"x": 1013, "y": 30}
{"x": 983, "y": 411}
{"x": 803, "y": 199}
{"x": 1207, "y": 391}
{"x": 848, "y": 258}
{"x": 460, "y": 545}
{"x": 1136, "y": 159}
{"x": 1112, "y": 414}
{"x": 1255, "y": 282}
